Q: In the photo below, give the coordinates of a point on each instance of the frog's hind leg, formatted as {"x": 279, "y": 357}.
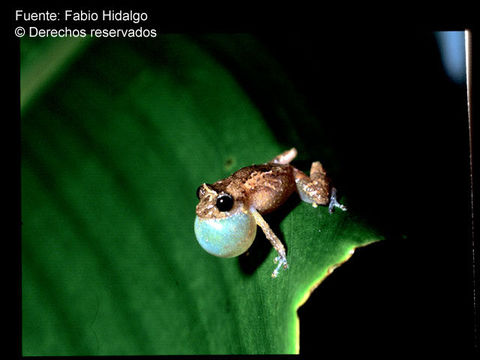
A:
{"x": 285, "y": 158}
{"x": 316, "y": 188}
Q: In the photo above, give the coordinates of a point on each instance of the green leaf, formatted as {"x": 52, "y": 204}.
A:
{"x": 112, "y": 153}
{"x": 42, "y": 61}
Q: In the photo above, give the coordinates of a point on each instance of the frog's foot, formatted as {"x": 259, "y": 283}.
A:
{"x": 281, "y": 261}
{"x": 316, "y": 188}
{"x": 334, "y": 203}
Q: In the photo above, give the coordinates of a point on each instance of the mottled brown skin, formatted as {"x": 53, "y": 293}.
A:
{"x": 260, "y": 189}
{"x": 265, "y": 187}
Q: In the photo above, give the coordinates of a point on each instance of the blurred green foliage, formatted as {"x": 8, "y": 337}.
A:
{"x": 116, "y": 137}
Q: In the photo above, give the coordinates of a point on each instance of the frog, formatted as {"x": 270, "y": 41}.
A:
{"x": 230, "y": 210}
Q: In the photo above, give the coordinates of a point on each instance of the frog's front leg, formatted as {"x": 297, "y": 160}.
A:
{"x": 316, "y": 188}
{"x": 281, "y": 259}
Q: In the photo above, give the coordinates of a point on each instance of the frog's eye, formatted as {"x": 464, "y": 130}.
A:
{"x": 225, "y": 202}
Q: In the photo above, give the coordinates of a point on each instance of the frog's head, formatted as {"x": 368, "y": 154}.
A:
{"x": 223, "y": 226}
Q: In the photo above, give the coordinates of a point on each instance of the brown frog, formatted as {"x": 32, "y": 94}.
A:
{"x": 229, "y": 210}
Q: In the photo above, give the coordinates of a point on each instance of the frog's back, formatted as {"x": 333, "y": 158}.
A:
{"x": 266, "y": 186}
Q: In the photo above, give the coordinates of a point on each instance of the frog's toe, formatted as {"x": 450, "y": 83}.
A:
{"x": 334, "y": 203}
{"x": 281, "y": 261}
